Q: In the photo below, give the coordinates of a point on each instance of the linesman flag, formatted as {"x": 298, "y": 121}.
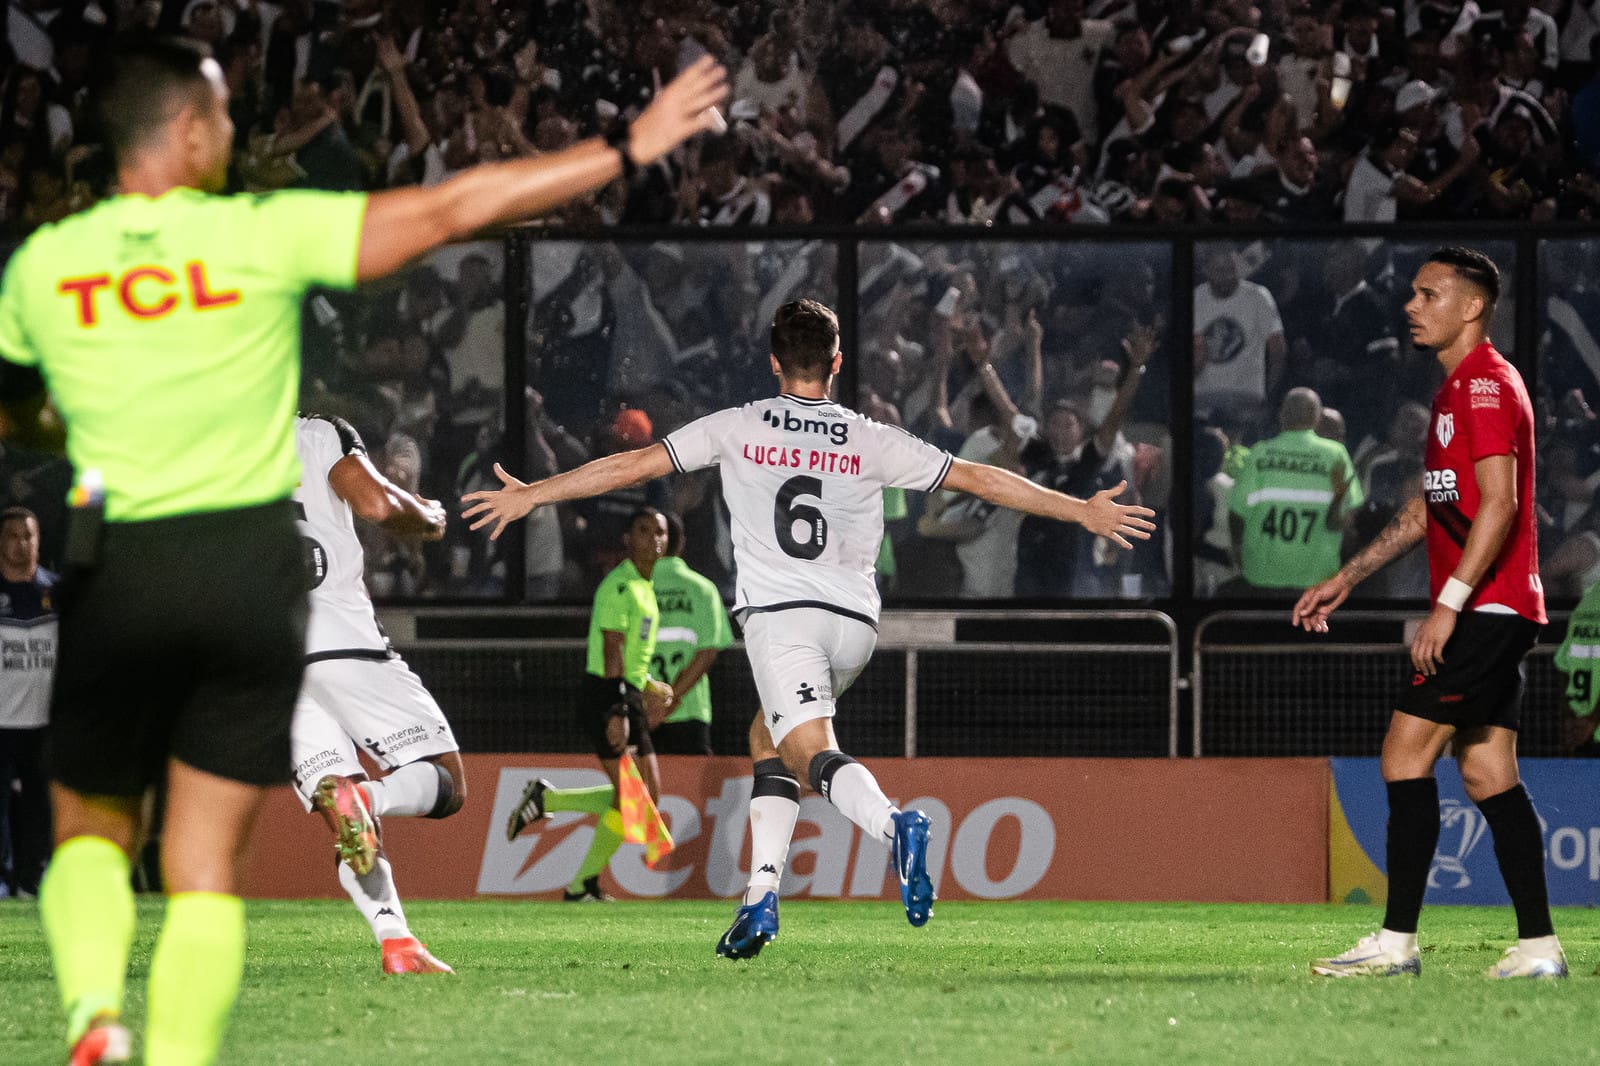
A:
{"x": 641, "y": 822}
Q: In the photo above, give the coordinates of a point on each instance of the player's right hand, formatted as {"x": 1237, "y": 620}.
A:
{"x": 1311, "y": 611}
{"x": 500, "y": 506}
{"x": 680, "y": 110}
{"x": 657, "y": 702}
{"x": 437, "y": 518}
{"x": 1105, "y": 517}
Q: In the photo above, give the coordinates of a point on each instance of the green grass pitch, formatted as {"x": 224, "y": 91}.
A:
{"x": 984, "y": 984}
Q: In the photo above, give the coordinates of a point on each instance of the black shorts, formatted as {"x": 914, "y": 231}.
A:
{"x": 599, "y": 701}
{"x": 186, "y": 640}
{"x": 1481, "y": 680}
{"x": 682, "y": 738}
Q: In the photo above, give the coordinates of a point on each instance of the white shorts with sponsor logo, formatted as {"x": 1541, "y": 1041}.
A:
{"x": 803, "y": 659}
{"x": 380, "y": 706}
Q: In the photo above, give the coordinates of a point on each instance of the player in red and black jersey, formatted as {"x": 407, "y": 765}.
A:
{"x": 1476, "y": 511}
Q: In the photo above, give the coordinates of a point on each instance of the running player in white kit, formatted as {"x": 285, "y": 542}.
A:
{"x": 803, "y": 479}
{"x": 357, "y": 690}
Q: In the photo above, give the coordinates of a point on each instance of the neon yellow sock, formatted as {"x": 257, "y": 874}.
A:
{"x": 194, "y": 978}
{"x": 607, "y": 839}
{"x": 86, "y": 904}
{"x": 595, "y": 800}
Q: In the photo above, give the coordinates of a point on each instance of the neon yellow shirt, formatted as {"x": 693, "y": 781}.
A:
{"x": 1284, "y": 493}
{"x": 168, "y": 333}
{"x": 692, "y": 620}
{"x": 624, "y": 603}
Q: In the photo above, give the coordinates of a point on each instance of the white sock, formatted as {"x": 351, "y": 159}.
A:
{"x": 857, "y": 795}
{"x": 375, "y": 897}
{"x": 1389, "y": 940}
{"x": 1541, "y": 947}
{"x": 411, "y": 790}
{"x": 772, "y": 821}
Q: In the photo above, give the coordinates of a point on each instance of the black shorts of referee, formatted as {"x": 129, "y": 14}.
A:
{"x": 1482, "y": 678}
{"x": 186, "y": 639}
{"x": 601, "y": 699}
{"x": 692, "y": 737}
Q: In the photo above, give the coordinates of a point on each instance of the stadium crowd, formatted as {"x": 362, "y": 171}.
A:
{"x": 1054, "y": 359}
{"x": 877, "y": 111}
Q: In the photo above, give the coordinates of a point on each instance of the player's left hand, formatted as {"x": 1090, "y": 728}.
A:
{"x": 1105, "y": 517}
{"x": 1427, "y": 647}
{"x": 500, "y": 506}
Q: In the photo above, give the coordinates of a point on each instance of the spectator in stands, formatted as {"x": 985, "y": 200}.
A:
{"x": 1239, "y": 349}
{"x": 1214, "y": 564}
{"x": 1295, "y": 191}
{"x": 719, "y": 194}
{"x": 1351, "y": 355}
{"x": 1059, "y": 53}
{"x": 985, "y": 536}
{"x": 1379, "y": 182}
{"x": 1288, "y": 507}
{"x": 1073, "y": 455}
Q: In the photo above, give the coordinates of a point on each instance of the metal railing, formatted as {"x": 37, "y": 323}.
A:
{"x": 929, "y": 689}
{"x": 1269, "y": 690}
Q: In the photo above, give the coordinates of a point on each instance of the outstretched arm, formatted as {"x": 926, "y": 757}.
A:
{"x": 597, "y": 477}
{"x": 1100, "y": 514}
{"x": 402, "y": 224}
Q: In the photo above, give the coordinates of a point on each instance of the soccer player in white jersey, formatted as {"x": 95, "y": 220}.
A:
{"x": 358, "y": 691}
{"x": 803, "y": 478}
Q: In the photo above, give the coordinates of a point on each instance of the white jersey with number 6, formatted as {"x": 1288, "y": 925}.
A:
{"x": 804, "y": 480}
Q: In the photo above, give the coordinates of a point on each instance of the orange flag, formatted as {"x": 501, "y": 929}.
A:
{"x": 641, "y": 822}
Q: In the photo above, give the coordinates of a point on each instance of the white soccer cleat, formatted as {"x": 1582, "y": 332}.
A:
{"x": 1369, "y": 959}
{"x": 1518, "y": 963}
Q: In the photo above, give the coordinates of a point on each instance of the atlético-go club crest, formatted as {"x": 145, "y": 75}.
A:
{"x": 1446, "y": 428}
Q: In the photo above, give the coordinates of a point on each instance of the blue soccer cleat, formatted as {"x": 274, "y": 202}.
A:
{"x": 911, "y": 863}
{"x": 754, "y": 926}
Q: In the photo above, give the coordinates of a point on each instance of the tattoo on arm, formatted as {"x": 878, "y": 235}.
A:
{"x": 1402, "y": 533}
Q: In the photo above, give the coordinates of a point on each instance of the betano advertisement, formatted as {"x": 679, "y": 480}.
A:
{"x": 1130, "y": 829}
{"x": 1566, "y": 793}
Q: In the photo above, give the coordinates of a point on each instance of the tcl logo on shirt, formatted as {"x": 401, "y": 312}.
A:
{"x": 1445, "y": 428}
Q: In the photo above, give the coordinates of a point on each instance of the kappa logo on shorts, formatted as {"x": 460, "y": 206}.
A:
{"x": 806, "y": 693}
{"x": 776, "y": 717}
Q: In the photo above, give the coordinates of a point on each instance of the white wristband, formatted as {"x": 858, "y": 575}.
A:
{"x": 1454, "y": 594}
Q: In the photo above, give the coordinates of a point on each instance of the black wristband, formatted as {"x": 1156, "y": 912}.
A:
{"x": 618, "y": 140}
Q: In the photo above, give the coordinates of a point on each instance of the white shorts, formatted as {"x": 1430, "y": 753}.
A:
{"x": 380, "y": 705}
{"x": 803, "y": 659}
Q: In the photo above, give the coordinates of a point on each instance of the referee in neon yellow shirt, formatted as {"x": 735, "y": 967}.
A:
{"x": 165, "y": 323}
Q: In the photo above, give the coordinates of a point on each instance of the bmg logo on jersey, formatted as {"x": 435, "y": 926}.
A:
{"x": 835, "y": 430}
{"x": 1440, "y": 485}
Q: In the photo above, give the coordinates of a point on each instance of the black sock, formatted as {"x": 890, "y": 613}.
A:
{"x": 1519, "y": 846}
{"x": 1413, "y": 836}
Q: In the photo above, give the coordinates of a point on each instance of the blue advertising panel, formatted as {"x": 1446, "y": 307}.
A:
{"x": 1566, "y": 793}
